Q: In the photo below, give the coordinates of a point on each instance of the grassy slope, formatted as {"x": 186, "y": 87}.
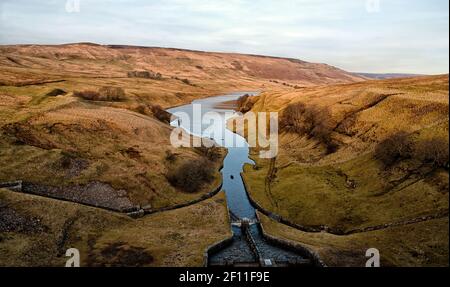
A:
{"x": 174, "y": 238}
{"x": 396, "y": 245}
{"x": 66, "y": 127}
{"x": 101, "y": 133}
{"x": 53, "y": 130}
{"x": 311, "y": 188}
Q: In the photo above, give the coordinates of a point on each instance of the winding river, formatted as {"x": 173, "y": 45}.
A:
{"x": 241, "y": 251}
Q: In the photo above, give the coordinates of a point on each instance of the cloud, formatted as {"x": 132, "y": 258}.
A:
{"x": 405, "y": 36}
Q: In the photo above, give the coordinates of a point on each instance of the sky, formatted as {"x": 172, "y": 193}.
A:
{"x": 378, "y": 36}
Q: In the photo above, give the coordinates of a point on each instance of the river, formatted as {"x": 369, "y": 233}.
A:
{"x": 240, "y": 251}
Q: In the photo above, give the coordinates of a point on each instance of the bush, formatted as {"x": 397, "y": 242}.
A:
{"x": 142, "y": 109}
{"x": 396, "y": 147}
{"x": 311, "y": 121}
{"x": 145, "y": 75}
{"x": 296, "y": 119}
{"x": 155, "y": 111}
{"x": 161, "y": 114}
{"x": 244, "y": 104}
{"x": 211, "y": 153}
{"x": 112, "y": 94}
{"x": 433, "y": 151}
{"x": 170, "y": 156}
{"x": 87, "y": 95}
{"x": 192, "y": 175}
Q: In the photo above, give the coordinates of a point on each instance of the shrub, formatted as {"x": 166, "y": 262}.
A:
{"x": 161, "y": 114}
{"x": 396, "y": 147}
{"x": 242, "y": 100}
{"x": 142, "y": 109}
{"x": 87, "y": 95}
{"x": 186, "y": 81}
{"x": 103, "y": 94}
{"x": 244, "y": 104}
{"x": 191, "y": 175}
{"x": 311, "y": 121}
{"x": 433, "y": 151}
{"x": 155, "y": 111}
{"x": 145, "y": 75}
{"x": 112, "y": 94}
{"x": 295, "y": 119}
{"x": 211, "y": 153}
{"x": 170, "y": 156}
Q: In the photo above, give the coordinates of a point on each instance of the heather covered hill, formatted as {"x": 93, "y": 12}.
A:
{"x": 114, "y": 61}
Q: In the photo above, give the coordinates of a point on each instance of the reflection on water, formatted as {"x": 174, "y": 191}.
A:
{"x": 238, "y": 202}
{"x": 237, "y": 157}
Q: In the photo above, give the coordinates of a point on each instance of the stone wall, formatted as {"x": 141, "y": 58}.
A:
{"x": 295, "y": 246}
{"x": 220, "y": 245}
{"x": 306, "y": 252}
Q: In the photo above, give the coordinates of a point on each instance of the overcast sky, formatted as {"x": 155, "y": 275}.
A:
{"x": 404, "y": 36}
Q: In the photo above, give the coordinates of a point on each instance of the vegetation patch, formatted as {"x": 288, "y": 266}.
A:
{"x": 399, "y": 146}
{"x": 145, "y": 75}
{"x": 154, "y": 110}
{"x": 309, "y": 120}
{"x": 212, "y": 153}
{"x": 109, "y": 94}
{"x": 56, "y": 92}
{"x": 245, "y": 103}
{"x": 191, "y": 175}
{"x": 120, "y": 254}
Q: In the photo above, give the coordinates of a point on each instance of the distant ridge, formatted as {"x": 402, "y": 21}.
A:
{"x": 387, "y": 76}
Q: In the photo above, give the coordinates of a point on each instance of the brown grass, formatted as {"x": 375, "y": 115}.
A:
{"x": 353, "y": 188}
{"x": 173, "y": 239}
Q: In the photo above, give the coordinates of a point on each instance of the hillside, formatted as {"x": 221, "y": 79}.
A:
{"x": 58, "y": 131}
{"x": 212, "y": 72}
{"x": 387, "y": 75}
{"x": 30, "y": 237}
{"x": 360, "y": 158}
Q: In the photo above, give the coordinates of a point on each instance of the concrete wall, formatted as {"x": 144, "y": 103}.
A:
{"x": 295, "y": 246}
{"x": 220, "y": 245}
{"x": 306, "y": 252}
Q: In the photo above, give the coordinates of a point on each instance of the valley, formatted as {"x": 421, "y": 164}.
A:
{"x": 85, "y": 129}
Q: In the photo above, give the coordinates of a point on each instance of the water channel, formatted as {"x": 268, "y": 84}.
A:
{"x": 241, "y": 252}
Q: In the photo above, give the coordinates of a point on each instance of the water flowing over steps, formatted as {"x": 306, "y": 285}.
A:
{"x": 254, "y": 250}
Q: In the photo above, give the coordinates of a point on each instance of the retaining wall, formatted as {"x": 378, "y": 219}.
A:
{"x": 220, "y": 245}
{"x": 306, "y": 252}
{"x": 280, "y": 219}
{"x": 295, "y": 246}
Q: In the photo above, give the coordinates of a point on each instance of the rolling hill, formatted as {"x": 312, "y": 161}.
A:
{"x": 362, "y": 165}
